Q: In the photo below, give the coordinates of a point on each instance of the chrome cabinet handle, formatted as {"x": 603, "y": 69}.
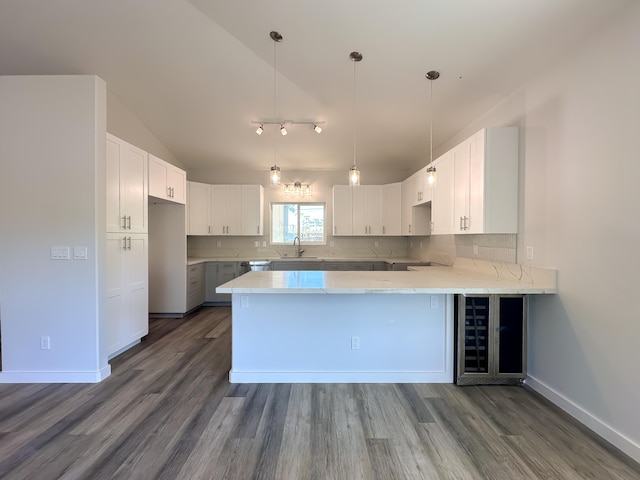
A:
{"x": 124, "y": 222}
{"x": 129, "y": 222}
{"x": 209, "y": 228}
{"x": 409, "y": 228}
{"x": 129, "y": 247}
{"x": 460, "y": 227}
{"x": 258, "y": 229}
{"x": 124, "y": 243}
{"x": 384, "y": 230}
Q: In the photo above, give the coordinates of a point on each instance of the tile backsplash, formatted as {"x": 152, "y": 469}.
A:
{"x": 256, "y": 247}
{"x": 500, "y": 248}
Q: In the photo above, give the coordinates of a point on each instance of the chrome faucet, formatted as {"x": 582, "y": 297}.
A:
{"x": 298, "y": 251}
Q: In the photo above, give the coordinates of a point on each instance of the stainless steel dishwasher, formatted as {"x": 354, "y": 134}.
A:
{"x": 255, "y": 265}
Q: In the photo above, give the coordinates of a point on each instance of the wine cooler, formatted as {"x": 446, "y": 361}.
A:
{"x": 491, "y": 341}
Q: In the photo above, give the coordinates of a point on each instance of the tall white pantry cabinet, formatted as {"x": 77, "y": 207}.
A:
{"x": 127, "y": 288}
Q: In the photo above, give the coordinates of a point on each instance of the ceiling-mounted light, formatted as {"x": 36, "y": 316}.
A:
{"x": 354, "y": 173}
{"x": 297, "y": 189}
{"x": 431, "y": 170}
{"x": 317, "y": 128}
{"x": 275, "y": 174}
{"x": 260, "y": 129}
{"x": 283, "y": 130}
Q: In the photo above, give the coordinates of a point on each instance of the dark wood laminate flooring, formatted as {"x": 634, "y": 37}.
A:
{"x": 169, "y": 412}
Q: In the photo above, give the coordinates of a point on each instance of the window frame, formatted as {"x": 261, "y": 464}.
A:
{"x": 299, "y": 204}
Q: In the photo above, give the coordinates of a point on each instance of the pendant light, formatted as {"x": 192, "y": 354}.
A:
{"x": 431, "y": 170}
{"x": 275, "y": 175}
{"x": 354, "y": 173}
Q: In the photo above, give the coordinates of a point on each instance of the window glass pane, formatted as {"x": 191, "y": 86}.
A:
{"x": 284, "y": 222}
{"x": 311, "y": 223}
{"x": 291, "y": 220}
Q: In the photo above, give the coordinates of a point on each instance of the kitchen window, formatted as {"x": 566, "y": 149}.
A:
{"x": 303, "y": 220}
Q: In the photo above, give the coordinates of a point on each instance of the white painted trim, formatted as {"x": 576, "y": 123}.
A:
{"x": 339, "y": 377}
{"x": 56, "y": 377}
{"x": 123, "y": 349}
{"x": 611, "y": 435}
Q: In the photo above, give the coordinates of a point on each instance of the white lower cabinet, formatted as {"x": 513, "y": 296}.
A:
{"x": 127, "y": 290}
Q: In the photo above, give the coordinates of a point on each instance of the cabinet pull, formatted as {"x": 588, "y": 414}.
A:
{"x": 258, "y": 229}
{"x": 409, "y": 228}
{"x": 383, "y": 230}
{"x": 209, "y": 228}
{"x": 129, "y": 246}
{"x": 335, "y": 230}
{"x": 124, "y": 222}
{"x": 169, "y": 192}
{"x": 124, "y": 243}
{"x": 466, "y": 226}
{"x": 129, "y": 222}
{"x": 460, "y": 228}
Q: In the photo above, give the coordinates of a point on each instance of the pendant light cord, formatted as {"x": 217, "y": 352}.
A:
{"x": 431, "y": 127}
{"x": 354, "y": 113}
{"x": 274, "y": 102}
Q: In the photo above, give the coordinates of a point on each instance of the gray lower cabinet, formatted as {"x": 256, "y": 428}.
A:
{"x": 491, "y": 339}
{"x": 196, "y": 286}
{"x": 296, "y": 265}
{"x": 218, "y": 273}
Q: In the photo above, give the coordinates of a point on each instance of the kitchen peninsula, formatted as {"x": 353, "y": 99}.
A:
{"x": 324, "y": 326}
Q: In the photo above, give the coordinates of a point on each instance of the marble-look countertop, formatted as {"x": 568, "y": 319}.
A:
{"x": 464, "y": 277}
{"x": 391, "y": 260}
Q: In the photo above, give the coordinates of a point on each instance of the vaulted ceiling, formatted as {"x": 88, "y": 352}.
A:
{"x": 197, "y": 73}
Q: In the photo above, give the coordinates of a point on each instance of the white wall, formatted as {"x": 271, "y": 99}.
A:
{"x": 52, "y": 193}
{"x": 579, "y": 189}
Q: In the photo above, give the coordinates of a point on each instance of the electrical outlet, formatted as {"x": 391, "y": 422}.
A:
{"x": 355, "y": 343}
{"x": 376, "y": 244}
{"x": 264, "y": 244}
{"x": 434, "y": 301}
{"x": 244, "y": 301}
{"x": 420, "y": 245}
{"x": 529, "y": 253}
{"x": 218, "y": 243}
{"x": 256, "y": 244}
{"x": 45, "y": 343}
{"x": 475, "y": 249}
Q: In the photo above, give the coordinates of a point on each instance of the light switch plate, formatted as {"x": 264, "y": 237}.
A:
{"x": 79, "y": 253}
{"x": 60, "y": 253}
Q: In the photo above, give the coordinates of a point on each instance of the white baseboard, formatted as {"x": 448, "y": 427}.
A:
{"x": 610, "y": 434}
{"x": 339, "y": 377}
{"x": 56, "y": 377}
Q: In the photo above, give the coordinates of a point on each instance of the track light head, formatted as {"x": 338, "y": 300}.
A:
{"x": 317, "y": 128}
{"x": 283, "y": 130}
{"x": 260, "y": 129}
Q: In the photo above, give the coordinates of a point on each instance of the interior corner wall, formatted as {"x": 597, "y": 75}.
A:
{"x": 579, "y": 122}
{"x": 52, "y": 151}
{"x": 124, "y": 124}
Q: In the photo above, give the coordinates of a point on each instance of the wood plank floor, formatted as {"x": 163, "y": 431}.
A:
{"x": 169, "y": 412}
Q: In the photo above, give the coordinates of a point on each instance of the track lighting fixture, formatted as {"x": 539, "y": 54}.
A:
{"x": 317, "y": 128}
{"x": 283, "y": 130}
{"x": 260, "y": 129}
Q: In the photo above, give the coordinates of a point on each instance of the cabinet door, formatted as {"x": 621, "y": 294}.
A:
{"x": 475, "y": 221}
{"x": 134, "y": 183}
{"x": 407, "y": 204}
{"x": 177, "y": 183}
{"x": 342, "y": 210}
{"x": 218, "y": 209}
{"x": 198, "y": 213}
{"x": 461, "y": 157}
{"x": 136, "y": 282}
{"x": 117, "y": 313}
{"x": 234, "y": 209}
{"x": 115, "y": 221}
{"x": 158, "y": 186}
{"x": 442, "y": 204}
{"x": 373, "y": 210}
{"x": 360, "y": 222}
{"x": 252, "y": 210}
{"x": 391, "y": 209}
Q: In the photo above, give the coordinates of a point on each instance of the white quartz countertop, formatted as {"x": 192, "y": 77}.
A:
{"x": 464, "y": 278}
{"x": 391, "y": 260}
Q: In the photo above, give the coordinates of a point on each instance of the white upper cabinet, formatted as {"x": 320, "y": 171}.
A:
{"x": 225, "y": 209}
{"x": 442, "y": 197}
{"x": 391, "y": 209}
{"x": 252, "y": 210}
{"x": 486, "y": 182}
{"x": 367, "y": 210}
{"x": 166, "y": 181}
{"x": 198, "y": 208}
{"x": 127, "y": 187}
{"x": 342, "y": 210}
{"x": 416, "y": 215}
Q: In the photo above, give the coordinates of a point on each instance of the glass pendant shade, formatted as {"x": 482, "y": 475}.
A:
{"x": 354, "y": 176}
{"x": 431, "y": 177}
{"x": 274, "y": 176}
